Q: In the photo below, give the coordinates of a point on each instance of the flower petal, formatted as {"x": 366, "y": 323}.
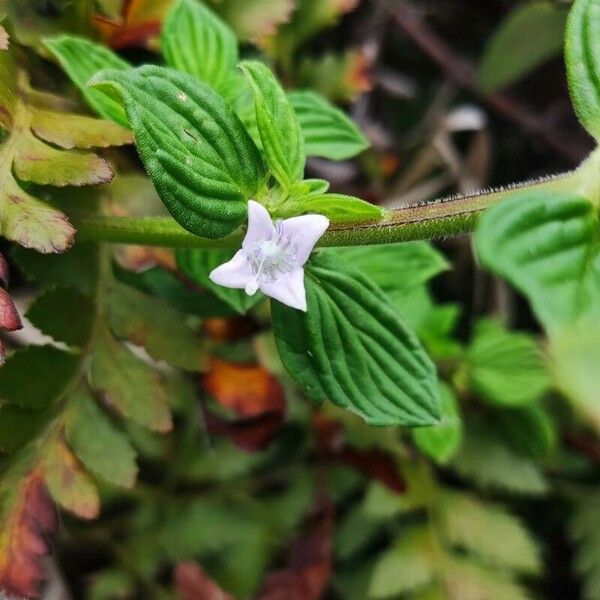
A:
{"x": 260, "y": 225}
{"x": 233, "y": 274}
{"x": 288, "y": 289}
{"x": 304, "y": 232}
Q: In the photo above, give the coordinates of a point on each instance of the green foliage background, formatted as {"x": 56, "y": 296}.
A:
{"x": 428, "y": 429}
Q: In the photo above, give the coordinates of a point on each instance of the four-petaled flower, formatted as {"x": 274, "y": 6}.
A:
{"x": 272, "y": 256}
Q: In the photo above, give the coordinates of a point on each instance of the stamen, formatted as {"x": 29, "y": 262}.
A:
{"x": 270, "y": 259}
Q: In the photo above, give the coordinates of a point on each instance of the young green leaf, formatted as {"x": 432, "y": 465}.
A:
{"x": 531, "y": 34}
{"x": 583, "y": 62}
{"x": 338, "y": 208}
{"x": 351, "y": 347}
{"x": 277, "y": 124}
{"x": 197, "y": 265}
{"x": 441, "y": 441}
{"x": 505, "y": 368}
{"x": 548, "y": 246}
{"x": 310, "y": 196}
{"x": 100, "y": 446}
{"x": 203, "y": 163}
{"x": 128, "y": 384}
{"x": 195, "y": 40}
{"x": 81, "y": 59}
{"x": 326, "y": 130}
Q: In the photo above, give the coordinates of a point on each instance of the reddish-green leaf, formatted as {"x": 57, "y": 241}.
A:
{"x": 26, "y": 517}
{"x": 128, "y": 384}
{"x": 68, "y": 484}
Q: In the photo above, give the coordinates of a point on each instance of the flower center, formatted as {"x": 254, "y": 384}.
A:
{"x": 270, "y": 259}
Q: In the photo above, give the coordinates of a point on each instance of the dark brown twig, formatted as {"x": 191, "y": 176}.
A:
{"x": 462, "y": 72}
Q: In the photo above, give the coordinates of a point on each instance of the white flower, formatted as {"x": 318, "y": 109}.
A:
{"x": 273, "y": 256}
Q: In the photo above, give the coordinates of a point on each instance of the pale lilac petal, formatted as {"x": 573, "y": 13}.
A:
{"x": 260, "y": 226}
{"x": 304, "y": 233}
{"x": 233, "y": 274}
{"x": 288, "y": 289}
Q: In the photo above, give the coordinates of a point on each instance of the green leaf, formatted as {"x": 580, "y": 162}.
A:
{"x": 81, "y": 59}
{"x": 326, "y": 130}
{"x": 582, "y": 55}
{"x": 310, "y": 196}
{"x": 548, "y": 246}
{"x": 20, "y": 425}
{"x": 530, "y": 430}
{"x": 64, "y": 314}
{"x": 339, "y": 208}
{"x": 351, "y": 348}
{"x": 110, "y": 584}
{"x": 492, "y": 464}
{"x": 203, "y": 163}
{"x": 128, "y": 384}
{"x": 435, "y": 329}
{"x": 34, "y": 377}
{"x": 467, "y": 579}
{"x": 277, "y": 124}
{"x": 195, "y": 40}
{"x": 154, "y": 324}
{"x": 531, "y": 34}
{"x": 396, "y": 268}
{"x": 198, "y": 264}
{"x": 100, "y": 446}
{"x": 353, "y": 532}
{"x": 505, "y": 368}
{"x": 77, "y": 268}
{"x": 164, "y": 284}
{"x": 489, "y": 531}
{"x": 441, "y": 441}
{"x": 575, "y": 354}
{"x": 405, "y": 567}
{"x": 76, "y": 131}
{"x": 584, "y": 530}
{"x": 39, "y": 163}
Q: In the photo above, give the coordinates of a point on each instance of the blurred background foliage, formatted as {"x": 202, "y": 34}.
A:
{"x": 248, "y": 491}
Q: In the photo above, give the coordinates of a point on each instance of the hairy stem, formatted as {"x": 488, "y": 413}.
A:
{"x": 436, "y": 219}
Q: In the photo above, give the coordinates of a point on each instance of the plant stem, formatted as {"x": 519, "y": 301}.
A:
{"x": 439, "y": 218}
